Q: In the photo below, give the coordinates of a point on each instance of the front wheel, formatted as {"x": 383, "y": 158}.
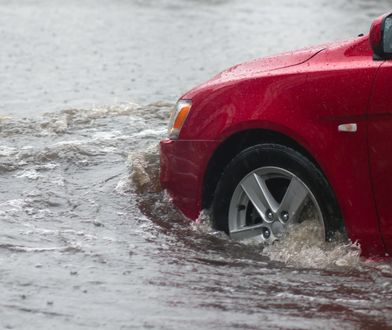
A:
{"x": 268, "y": 188}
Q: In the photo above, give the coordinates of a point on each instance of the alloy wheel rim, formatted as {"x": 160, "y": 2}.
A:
{"x": 269, "y": 200}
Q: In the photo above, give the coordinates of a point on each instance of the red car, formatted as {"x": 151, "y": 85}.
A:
{"x": 266, "y": 141}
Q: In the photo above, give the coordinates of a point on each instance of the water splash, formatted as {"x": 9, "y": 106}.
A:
{"x": 144, "y": 170}
{"x": 302, "y": 247}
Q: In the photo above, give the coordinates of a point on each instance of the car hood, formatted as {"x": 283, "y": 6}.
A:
{"x": 255, "y": 67}
{"x": 270, "y": 63}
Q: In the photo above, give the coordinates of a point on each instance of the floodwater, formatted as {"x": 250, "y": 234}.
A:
{"x": 88, "y": 238}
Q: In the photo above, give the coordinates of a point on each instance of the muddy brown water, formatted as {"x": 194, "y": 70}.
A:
{"x": 89, "y": 239}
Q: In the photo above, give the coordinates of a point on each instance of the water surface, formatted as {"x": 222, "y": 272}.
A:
{"x": 89, "y": 239}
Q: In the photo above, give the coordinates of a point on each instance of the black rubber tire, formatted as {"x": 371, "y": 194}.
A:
{"x": 270, "y": 154}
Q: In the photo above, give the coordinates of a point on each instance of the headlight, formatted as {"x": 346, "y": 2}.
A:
{"x": 178, "y": 118}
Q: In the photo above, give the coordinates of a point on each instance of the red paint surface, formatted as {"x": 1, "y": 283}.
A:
{"x": 380, "y": 149}
{"x": 183, "y": 164}
{"x": 304, "y": 95}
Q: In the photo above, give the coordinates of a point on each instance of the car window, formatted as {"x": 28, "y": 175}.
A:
{"x": 388, "y": 35}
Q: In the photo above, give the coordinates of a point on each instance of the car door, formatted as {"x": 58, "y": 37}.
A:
{"x": 380, "y": 149}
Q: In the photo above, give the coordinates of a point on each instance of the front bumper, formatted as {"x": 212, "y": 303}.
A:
{"x": 183, "y": 165}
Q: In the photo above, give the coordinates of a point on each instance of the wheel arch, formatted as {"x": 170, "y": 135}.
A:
{"x": 234, "y": 144}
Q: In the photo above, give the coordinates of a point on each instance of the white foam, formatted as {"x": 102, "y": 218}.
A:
{"x": 13, "y": 204}
{"x": 150, "y": 132}
{"x": 123, "y": 186}
{"x": 30, "y": 174}
{"x": 203, "y": 224}
{"x": 7, "y": 151}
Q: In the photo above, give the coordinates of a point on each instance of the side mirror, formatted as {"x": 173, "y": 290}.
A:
{"x": 380, "y": 37}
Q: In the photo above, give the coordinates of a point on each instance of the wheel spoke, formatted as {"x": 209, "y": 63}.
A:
{"x": 247, "y": 232}
{"x": 294, "y": 198}
{"x": 256, "y": 230}
{"x": 259, "y": 194}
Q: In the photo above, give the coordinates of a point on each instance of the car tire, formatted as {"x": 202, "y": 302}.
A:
{"x": 268, "y": 187}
